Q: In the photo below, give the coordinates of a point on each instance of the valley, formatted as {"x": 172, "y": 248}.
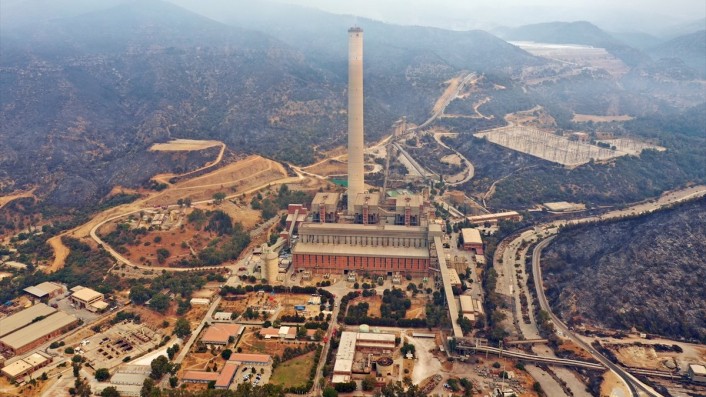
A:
{"x": 524, "y": 216}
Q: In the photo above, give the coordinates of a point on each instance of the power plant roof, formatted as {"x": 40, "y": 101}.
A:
{"x": 358, "y": 250}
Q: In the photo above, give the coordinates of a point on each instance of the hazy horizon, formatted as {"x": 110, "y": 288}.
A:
{"x": 648, "y": 16}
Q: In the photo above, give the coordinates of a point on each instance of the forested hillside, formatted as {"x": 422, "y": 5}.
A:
{"x": 645, "y": 272}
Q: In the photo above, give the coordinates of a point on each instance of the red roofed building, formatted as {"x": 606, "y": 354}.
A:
{"x": 225, "y": 378}
{"x": 199, "y": 376}
{"x": 250, "y": 359}
{"x": 219, "y": 334}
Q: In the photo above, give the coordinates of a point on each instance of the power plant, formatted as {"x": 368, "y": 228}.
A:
{"x": 356, "y": 139}
{"x": 374, "y": 232}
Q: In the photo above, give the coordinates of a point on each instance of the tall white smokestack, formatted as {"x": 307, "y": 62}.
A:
{"x": 355, "y": 115}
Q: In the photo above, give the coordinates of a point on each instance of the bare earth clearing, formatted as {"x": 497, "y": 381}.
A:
{"x": 582, "y": 118}
{"x": 6, "y": 199}
{"x": 178, "y": 145}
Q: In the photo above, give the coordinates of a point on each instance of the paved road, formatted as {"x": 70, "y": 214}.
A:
{"x": 187, "y": 345}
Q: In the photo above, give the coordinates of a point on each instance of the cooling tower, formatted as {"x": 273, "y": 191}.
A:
{"x": 355, "y": 115}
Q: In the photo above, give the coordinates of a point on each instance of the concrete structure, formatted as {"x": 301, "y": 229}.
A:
{"x": 384, "y": 366}
{"x": 355, "y": 116}
{"x": 250, "y": 359}
{"x": 493, "y": 219}
{"x": 324, "y": 207}
{"x": 26, "y": 366}
{"x": 23, "y": 318}
{"x": 471, "y": 308}
{"x": 472, "y": 240}
{"x": 341, "y": 248}
{"x": 270, "y": 263}
{"x": 38, "y": 333}
{"x": 45, "y": 290}
{"x": 219, "y": 334}
{"x": 356, "y": 342}
{"x": 454, "y": 278}
{"x": 697, "y": 373}
{"x": 86, "y": 298}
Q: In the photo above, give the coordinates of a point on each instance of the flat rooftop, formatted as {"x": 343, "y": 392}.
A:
{"x": 413, "y": 200}
{"x": 87, "y": 295}
{"x": 471, "y": 236}
{"x": 698, "y": 369}
{"x": 221, "y": 332}
{"x": 38, "y": 329}
{"x": 367, "y": 199}
{"x": 345, "y": 353}
{"x": 326, "y": 198}
{"x": 18, "y": 320}
{"x": 493, "y": 216}
{"x": 359, "y": 229}
{"x": 245, "y": 357}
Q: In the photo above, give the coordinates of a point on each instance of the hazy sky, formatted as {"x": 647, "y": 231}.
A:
{"x": 463, "y": 14}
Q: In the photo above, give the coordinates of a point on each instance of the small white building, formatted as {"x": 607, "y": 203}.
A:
{"x": 697, "y": 373}
{"x": 200, "y": 301}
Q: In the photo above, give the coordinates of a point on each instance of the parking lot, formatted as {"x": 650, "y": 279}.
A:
{"x": 257, "y": 378}
{"x": 64, "y": 304}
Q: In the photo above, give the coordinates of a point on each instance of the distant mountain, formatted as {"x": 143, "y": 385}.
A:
{"x": 638, "y": 40}
{"x": 690, "y": 48}
{"x": 683, "y": 29}
{"x": 90, "y": 93}
{"x": 85, "y": 95}
{"x": 581, "y": 32}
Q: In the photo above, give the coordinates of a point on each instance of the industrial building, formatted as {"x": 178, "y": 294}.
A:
{"x": 472, "y": 240}
{"x": 471, "y": 308}
{"x": 45, "y": 290}
{"x": 372, "y": 232}
{"x": 356, "y": 351}
{"x": 37, "y": 333}
{"x": 219, "y": 334}
{"x": 23, "y": 318}
{"x": 493, "y": 219}
{"x": 25, "y": 366}
{"x": 88, "y": 299}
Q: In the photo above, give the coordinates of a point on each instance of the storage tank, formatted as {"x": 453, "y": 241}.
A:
{"x": 384, "y": 366}
{"x": 270, "y": 261}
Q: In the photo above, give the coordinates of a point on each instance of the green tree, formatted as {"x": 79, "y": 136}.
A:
{"x": 139, "y": 294}
{"x": 330, "y": 392}
{"x": 148, "y": 388}
{"x": 110, "y": 391}
{"x": 102, "y": 374}
{"x": 226, "y": 354}
{"x": 219, "y": 197}
{"x": 368, "y": 383}
{"x": 182, "y": 328}
{"x": 160, "y": 366}
{"x": 160, "y": 303}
